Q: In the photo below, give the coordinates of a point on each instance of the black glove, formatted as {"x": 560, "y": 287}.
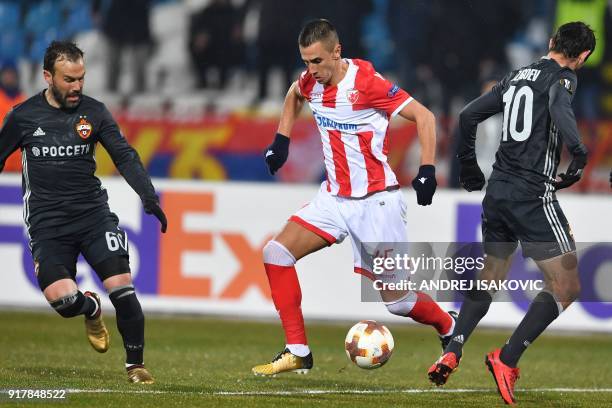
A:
{"x": 425, "y": 184}
{"x": 276, "y": 154}
{"x": 573, "y": 173}
{"x": 152, "y": 207}
{"x": 470, "y": 175}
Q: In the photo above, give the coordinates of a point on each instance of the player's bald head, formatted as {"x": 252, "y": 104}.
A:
{"x": 319, "y": 30}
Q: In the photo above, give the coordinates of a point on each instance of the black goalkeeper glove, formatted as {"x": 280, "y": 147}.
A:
{"x": 470, "y": 175}
{"x": 573, "y": 173}
{"x": 425, "y": 184}
{"x": 152, "y": 207}
{"x": 276, "y": 154}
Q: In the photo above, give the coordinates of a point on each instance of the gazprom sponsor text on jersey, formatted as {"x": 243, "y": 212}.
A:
{"x": 324, "y": 122}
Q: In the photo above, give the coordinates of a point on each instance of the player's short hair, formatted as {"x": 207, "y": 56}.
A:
{"x": 59, "y": 50}
{"x": 572, "y": 39}
{"x": 318, "y": 30}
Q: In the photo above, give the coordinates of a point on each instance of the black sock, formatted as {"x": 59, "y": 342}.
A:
{"x": 89, "y": 307}
{"x": 541, "y": 313}
{"x": 475, "y": 307}
{"x": 130, "y": 322}
{"x": 74, "y": 305}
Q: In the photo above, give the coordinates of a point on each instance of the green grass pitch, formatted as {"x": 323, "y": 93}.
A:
{"x": 207, "y": 362}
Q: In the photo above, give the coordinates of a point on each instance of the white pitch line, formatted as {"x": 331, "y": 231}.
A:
{"x": 414, "y": 391}
{"x": 345, "y": 392}
{"x": 332, "y": 392}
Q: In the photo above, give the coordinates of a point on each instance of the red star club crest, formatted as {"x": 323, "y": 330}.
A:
{"x": 352, "y": 95}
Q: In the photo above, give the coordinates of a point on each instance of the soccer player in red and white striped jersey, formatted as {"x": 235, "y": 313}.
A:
{"x": 353, "y": 119}
{"x": 352, "y": 105}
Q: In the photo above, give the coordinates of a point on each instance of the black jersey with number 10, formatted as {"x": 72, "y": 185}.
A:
{"x": 537, "y": 120}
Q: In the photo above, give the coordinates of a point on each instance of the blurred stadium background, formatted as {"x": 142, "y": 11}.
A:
{"x": 197, "y": 87}
{"x": 218, "y": 70}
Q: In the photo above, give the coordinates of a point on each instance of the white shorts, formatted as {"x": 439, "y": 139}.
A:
{"x": 377, "y": 219}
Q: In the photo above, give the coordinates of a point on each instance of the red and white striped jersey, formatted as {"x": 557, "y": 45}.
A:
{"x": 353, "y": 119}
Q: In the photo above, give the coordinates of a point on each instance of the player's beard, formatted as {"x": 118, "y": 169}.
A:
{"x": 62, "y": 99}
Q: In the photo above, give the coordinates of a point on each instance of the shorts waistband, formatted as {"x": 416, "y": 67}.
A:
{"x": 386, "y": 190}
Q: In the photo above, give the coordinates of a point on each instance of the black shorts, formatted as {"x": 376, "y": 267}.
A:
{"x": 104, "y": 246}
{"x": 538, "y": 223}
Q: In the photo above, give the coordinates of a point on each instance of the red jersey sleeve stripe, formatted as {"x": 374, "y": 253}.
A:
{"x": 305, "y": 84}
{"x": 343, "y": 174}
{"x": 361, "y": 84}
{"x": 329, "y": 96}
{"x": 374, "y": 167}
{"x": 379, "y": 92}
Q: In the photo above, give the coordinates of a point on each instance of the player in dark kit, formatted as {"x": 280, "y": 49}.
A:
{"x": 520, "y": 202}
{"x": 65, "y": 206}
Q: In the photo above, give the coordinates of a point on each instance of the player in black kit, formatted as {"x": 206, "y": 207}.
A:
{"x": 65, "y": 206}
{"x": 520, "y": 202}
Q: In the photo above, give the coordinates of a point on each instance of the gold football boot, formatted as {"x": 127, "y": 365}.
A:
{"x": 139, "y": 374}
{"x": 97, "y": 334}
{"x": 285, "y": 362}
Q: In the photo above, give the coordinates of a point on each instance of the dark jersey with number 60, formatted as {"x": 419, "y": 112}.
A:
{"x": 537, "y": 120}
{"x": 61, "y": 193}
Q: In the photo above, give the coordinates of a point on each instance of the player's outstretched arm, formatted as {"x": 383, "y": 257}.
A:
{"x": 130, "y": 166}
{"x": 471, "y": 177}
{"x": 10, "y": 138}
{"x": 291, "y": 109}
{"x": 426, "y": 128}
{"x": 276, "y": 154}
{"x": 425, "y": 182}
{"x": 560, "y": 107}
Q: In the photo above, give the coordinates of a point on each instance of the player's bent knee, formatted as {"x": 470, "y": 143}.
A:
{"x": 113, "y": 266}
{"x": 275, "y": 253}
{"x": 574, "y": 290}
{"x": 49, "y": 274}
{"x": 575, "y": 294}
{"x": 69, "y": 305}
{"x": 568, "y": 293}
{"x": 117, "y": 281}
{"x": 59, "y": 288}
{"x": 402, "y": 306}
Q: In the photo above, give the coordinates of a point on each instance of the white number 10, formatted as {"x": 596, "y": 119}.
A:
{"x": 514, "y": 101}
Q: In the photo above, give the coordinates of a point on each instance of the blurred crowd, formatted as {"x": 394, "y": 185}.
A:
{"x": 235, "y": 54}
{"x": 443, "y": 51}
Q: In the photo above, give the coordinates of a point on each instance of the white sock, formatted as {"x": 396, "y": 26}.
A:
{"x": 300, "y": 350}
